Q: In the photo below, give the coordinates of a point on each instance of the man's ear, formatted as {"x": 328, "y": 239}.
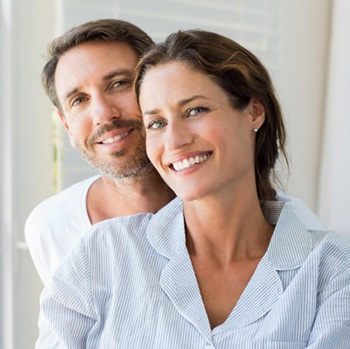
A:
{"x": 66, "y": 126}
{"x": 257, "y": 112}
{"x": 63, "y": 120}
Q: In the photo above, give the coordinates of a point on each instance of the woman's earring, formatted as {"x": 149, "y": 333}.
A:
{"x": 255, "y": 130}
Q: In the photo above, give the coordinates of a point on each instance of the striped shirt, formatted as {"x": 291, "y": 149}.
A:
{"x": 129, "y": 283}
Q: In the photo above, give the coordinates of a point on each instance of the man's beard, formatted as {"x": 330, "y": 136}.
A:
{"x": 135, "y": 167}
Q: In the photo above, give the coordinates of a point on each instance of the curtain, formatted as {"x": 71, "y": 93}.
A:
{"x": 334, "y": 183}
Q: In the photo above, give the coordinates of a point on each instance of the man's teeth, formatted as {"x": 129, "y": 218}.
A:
{"x": 114, "y": 139}
{"x": 182, "y": 165}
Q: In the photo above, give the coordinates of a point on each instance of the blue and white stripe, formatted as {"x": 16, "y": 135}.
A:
{"x": 130, "y": 284}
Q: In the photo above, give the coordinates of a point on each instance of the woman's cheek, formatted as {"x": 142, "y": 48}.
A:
{"x": 151, "y": 149}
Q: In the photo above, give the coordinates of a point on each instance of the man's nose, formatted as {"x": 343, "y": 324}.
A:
{"x": 104, "y": 110}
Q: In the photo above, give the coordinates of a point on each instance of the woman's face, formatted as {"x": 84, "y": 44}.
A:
{"x": 197, "y": 141}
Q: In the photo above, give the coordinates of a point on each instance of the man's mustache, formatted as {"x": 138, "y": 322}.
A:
{"x": 114, "y": 125}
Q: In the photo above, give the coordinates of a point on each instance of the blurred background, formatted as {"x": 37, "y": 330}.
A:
{"x": 303, "y": 43}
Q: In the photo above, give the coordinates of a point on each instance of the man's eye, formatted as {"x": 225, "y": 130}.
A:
{"x": 77, "y": 101}
{"x": 156, "y": 124}
{"x": 196, "y": 111}
{"x": 119, "y": 83}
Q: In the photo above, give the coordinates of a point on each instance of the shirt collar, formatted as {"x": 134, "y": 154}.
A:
{"x": 291, "y": 242}
{"x": 290, "y": 245}
{"x": 166, "y": 230}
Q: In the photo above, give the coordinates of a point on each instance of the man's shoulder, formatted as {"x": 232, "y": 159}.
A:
{"x": 68, "y": 201}
{"x": 67, "y": 197}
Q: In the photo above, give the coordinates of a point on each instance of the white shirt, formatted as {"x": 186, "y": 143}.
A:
{"x": 130, "y": 284}
{"x": 57, "y": 224}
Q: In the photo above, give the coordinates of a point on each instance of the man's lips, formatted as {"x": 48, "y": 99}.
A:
{"x": 112, "y": 139}
{"x": 114, "y": 131}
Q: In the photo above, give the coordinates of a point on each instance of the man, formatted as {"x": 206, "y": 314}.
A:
{"x": 88, "y": 78}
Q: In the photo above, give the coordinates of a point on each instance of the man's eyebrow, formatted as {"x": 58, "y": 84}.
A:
{"x": 70, "y": 93}
{"x": 118, "y": 72}
{"x": 107, "y": 77}
{"x": 180, "y": 103}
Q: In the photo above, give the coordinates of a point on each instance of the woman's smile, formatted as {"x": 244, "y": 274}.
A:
{"x": 189, "y": 162}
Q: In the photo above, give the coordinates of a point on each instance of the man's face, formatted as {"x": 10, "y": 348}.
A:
{"x": 100, "y": 113}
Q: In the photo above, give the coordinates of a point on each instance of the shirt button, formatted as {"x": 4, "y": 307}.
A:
{"x": 208, "y": 346}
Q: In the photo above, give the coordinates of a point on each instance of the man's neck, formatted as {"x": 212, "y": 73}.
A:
{"x": 109, "y": 198}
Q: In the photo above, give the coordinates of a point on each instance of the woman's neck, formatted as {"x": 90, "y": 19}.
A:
{"x": 227, "y": 231}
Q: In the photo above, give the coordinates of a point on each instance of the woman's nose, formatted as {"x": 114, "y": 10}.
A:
{"x": 177, "y": 135}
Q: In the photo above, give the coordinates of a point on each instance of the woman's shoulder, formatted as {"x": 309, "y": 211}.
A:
{"x": 305, "y": 213}
{"x": 333, "y": 247}
{"x": 117, "y": 228}
{"x": 131, "y": 227}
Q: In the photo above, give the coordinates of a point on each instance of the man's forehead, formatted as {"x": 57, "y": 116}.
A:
{"x": 105, "y": 50}
{"x": 92, "y": 62}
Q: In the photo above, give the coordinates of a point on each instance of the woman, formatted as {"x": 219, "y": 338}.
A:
{"x": 214, "y": 130}
{"x": 224, "y": 266}
{"x": 213, "y": 126}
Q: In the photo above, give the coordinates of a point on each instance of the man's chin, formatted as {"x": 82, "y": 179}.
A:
{"x": 137, "y": 172}
{"x": 119, "y": 167}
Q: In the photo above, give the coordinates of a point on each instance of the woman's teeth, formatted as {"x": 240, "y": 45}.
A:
{"x": 186, "y": 163}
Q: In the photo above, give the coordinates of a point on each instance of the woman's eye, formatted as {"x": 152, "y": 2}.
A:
{"x": 156, "y": 124}
{"x": 196, "y": 111}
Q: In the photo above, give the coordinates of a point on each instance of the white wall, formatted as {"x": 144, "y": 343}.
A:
{"x": 302, "y": 86}
{"x": 26, "y": 163}
{"x": 291, "y": 39}
{"x": 334, "y": 188}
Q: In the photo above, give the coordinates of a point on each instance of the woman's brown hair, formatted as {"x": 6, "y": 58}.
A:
{"x": 241, "y": 74}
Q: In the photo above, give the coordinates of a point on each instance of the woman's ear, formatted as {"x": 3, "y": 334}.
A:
{"x": 257, "y": 112}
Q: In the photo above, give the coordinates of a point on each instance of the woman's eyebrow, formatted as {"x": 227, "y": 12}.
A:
{"x": 180, "y": 103}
